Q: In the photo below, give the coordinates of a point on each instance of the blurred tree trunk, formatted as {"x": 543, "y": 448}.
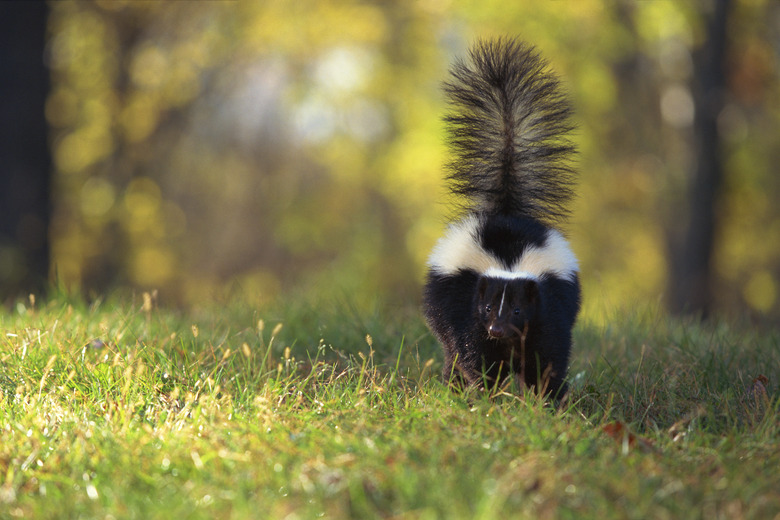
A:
{"x": 24, "y": 154}
{"x": 691, "y": 280}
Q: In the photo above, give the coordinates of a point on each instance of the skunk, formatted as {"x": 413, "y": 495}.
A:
{"x": 502, "y": 291}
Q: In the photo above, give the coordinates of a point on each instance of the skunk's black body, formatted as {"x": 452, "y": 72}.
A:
{"x": 502, "y": 291}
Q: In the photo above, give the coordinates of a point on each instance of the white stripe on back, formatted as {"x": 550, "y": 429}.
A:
{"x": 459, "y": 249}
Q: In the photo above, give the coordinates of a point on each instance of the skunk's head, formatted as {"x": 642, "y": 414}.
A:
{"x": 506, "y": 306}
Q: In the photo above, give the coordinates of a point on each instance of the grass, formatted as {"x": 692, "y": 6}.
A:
{"x": 122, "y": 410}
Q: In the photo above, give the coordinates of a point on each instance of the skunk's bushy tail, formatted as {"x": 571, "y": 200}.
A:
{"x": 508, "y": 128}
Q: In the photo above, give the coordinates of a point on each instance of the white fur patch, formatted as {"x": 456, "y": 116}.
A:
{"x": 459, "y": 249}
{"x": 508, "y": 275}
{"x": 555, "y": 257}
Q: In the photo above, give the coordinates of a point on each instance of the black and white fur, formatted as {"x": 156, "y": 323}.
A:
{"x": 502, "y": 291}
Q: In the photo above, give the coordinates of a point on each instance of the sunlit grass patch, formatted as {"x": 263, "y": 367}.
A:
{"x": 121, "y": 408}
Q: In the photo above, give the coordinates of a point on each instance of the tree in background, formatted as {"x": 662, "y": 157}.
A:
{"x": 691, "y": 277}
{"x": 24, "y": 152}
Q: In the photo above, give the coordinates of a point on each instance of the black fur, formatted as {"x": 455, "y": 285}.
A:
{"x": 507, "y": 237}
{"x": 509, "y": 135}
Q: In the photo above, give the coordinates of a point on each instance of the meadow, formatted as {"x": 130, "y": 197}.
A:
{"x": 122, "y": 409}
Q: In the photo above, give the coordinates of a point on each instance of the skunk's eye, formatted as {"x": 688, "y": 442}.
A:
{"x": 517, "y": 311}
{"x": 487, "y": 308}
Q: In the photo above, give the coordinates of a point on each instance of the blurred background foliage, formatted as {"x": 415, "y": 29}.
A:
{"x": 276, "y": 147}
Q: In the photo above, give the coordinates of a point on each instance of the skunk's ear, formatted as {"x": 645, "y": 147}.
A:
{"x": 482, "y": 284}
{"x": 531, "y": 291}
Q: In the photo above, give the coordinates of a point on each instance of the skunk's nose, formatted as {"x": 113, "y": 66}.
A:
{"x": 496, "y": 331}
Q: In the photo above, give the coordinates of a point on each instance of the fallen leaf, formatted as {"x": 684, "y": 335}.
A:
{"x": 758, "y": 392}
{"x": 618, "y": 431}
